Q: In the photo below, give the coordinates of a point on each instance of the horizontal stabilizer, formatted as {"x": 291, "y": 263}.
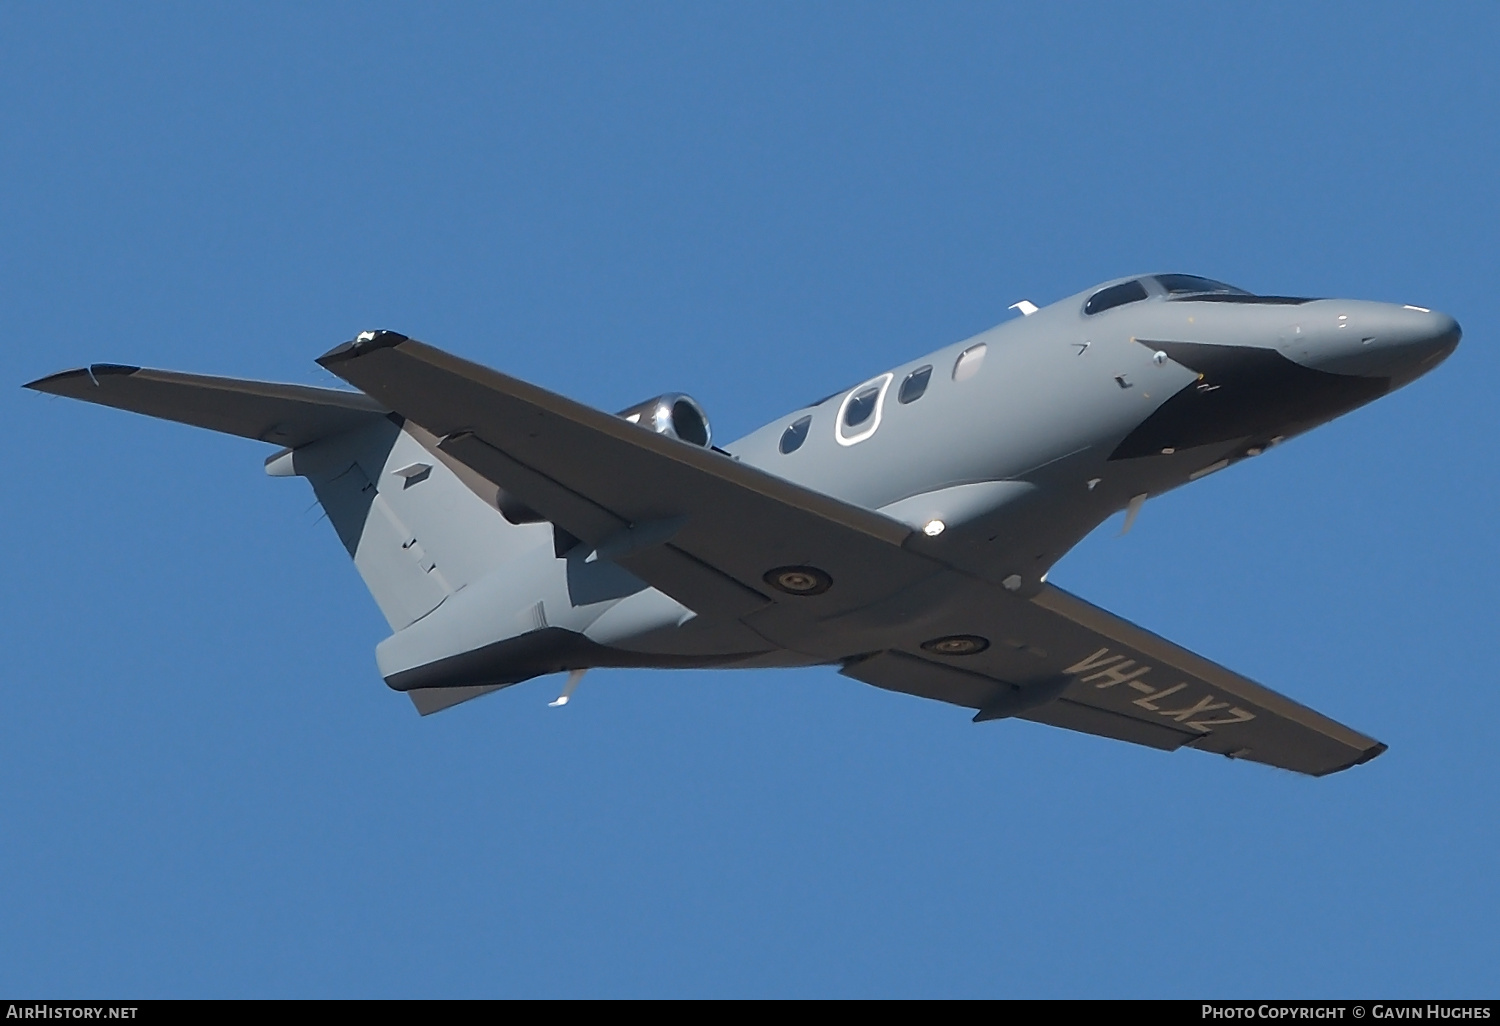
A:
{"x": 287, "y": 415}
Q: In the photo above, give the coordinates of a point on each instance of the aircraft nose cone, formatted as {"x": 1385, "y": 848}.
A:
{"x": 1382, "y": 340}
{"x": 1422, "y": 341}
{"x": 1443, "y": 333}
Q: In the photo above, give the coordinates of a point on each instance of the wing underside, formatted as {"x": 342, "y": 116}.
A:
{"x": 1059, "y": 660}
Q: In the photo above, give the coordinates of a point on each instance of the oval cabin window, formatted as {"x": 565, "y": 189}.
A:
{"x": 793, "y": 437}
{"x": 969, "y": 361}
{"x": 914, "y": 385}
{"x": 859, "y": 413}
{"x": 861, "y": 406}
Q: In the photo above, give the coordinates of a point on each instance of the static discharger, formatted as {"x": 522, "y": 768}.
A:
{"x": 1132, "y": 511}
{"x": 568, "y": 689}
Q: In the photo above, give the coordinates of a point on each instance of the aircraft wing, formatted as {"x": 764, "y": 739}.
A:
{"x": 706, "y": 530}
{"x": 695, "y": 523}
{"x": 289, "y": 415}
{"x": 1059, "y": 660}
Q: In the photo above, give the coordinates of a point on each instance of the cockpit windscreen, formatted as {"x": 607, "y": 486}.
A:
{"x": 1184, "y": 284}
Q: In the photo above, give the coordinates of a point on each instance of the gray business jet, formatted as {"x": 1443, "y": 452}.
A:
{"x": 900, "y": 530}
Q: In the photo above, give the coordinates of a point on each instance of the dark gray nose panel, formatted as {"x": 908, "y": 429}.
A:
{"x": 1243, "y": 392}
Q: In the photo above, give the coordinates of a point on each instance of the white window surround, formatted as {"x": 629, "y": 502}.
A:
{"x": 868, "y": 428}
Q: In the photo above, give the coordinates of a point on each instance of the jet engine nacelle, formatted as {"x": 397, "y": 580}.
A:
{"x": 674, "y": 415}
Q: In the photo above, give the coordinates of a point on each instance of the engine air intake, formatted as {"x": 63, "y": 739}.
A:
{"x": 674, "y": 415}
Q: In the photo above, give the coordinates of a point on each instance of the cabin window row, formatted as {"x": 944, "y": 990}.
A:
{"x": 854, "y": 422}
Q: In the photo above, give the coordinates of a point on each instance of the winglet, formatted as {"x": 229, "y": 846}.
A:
{"x": 359, "y": 345}
{"x": 1378, "y": 748}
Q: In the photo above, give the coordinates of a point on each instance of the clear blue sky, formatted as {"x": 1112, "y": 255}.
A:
{"x": 206, "y": 789}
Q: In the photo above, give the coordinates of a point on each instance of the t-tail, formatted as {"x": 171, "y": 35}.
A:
{"x": 421, "y": 529}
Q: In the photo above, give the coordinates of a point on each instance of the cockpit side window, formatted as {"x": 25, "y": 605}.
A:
{"x": 1182, "y": 284}
{"x": 1115, "y": 295}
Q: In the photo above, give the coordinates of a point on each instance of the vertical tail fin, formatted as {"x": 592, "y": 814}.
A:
{"x": 416, "y": 532}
